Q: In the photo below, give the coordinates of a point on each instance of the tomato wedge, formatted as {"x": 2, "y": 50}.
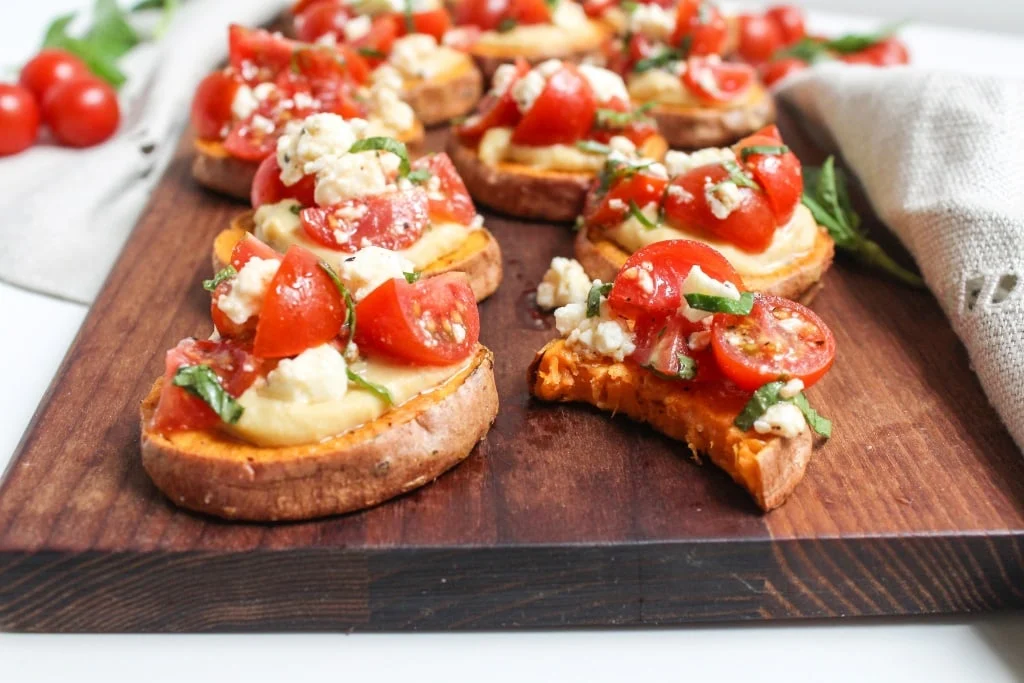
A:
{"x": 613, "y": 207}
{"x": 392, "y": 221}
{"x": 776, "y": 70}
{"x": 321, "y": 18}
{"x": 715, "y": 81}
{"x": 450, "y": 199}
{"x": 434, "y": 321}
{"x": 488, "y": 14}
{"x": 434, "y": 22}
{"x": 303, "y": 308}
{"x": 778, "y": 339}
{"x": 264, "y": 50}
{"x": 249, "y": 247}
{"x": 211, "y": 105}
{"x": 178, "y": 410}
{"x": 700, "y": 27}
{"x": 667, "y": 263}
{"x": 250, "y": 141}
{"x": 780, "y": 175}
{"x": 563, "y": 113}
{"x": 267, "y": 187}
{"x": 494, "y": 110}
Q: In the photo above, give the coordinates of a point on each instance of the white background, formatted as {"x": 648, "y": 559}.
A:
{"x": 35, "y": 332}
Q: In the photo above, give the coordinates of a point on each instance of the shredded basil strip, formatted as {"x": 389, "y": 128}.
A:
{"x": 657, "y": 61}
{"x": 611, "y": 118}
{"x": 687, "y": 367}
{"x": 643, "y": 220}
{"x": 410, "y": 22}
{"x": 412, "y": 277}
{"x": 201, "y": 381}
{"x": 507, "y": 24}
{"x": 350, "y": 303}
{"x": 769, "y": 150}
{"x": 594, "y": 298}
{"x": 820, "y": 424}
{"x": 593, "y": 147}
{"x": 762, "y": 400}
{"x": 419, "y": 176}
{"x": 827, "y": 198}
{"x": 225, "y": 273}
{"x": 721, "y": 304}
{"x": 371, "y": 52}
{"x": 380, "y": 391}
{"x": 387, "y": 145}
{"x": 737, "y": 176}
{"x": 615, "y": 170}
{"x": 295, "y": 209}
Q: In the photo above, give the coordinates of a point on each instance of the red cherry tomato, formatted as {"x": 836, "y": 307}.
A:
{"x": 750, "y": 225}
{"x": 250, "y": 247}
{"x": 778, "y": 339}
{"x": 321, "y": 18}
{"x": 780, "y": 175}
{"x": 49, "y": 67}
{"x": 391, "y": 221}
{"x": 636, "y": 131}
{"x": 613, "y": 206}
{"x": 790, "y": 21}
{"x": 211, "y": 105}
{"x": 595, "y": 8}
{"x": 303, "y": 308}
{"x": 434, "y": 321}
{"x": 760, "y": 37}
{"x": 715, "y": 81}
{"x": 251, "y": 142}
{"x": 384, "y": 30}
{"x": 494, "y": 110}
{"x": 177, "y": 409}
{"x": 529, "y": 11}
{"x": 435, "y": 23}
{"x": 267, "y": 187}
{"x": 19, "y": 119}
{"x": 563, "y": 112}
{"x": 660, "y": 342}
{"x": 888, "y": 52}
{"x": 700, "y": 27}
{"x": 775, "y": 71}
{"x": 247, "y": 248}
{"x": 450, "y": 200}
{"x": 668, "y": 263}
{"x": 266, "y": 52}
{"x": 486, "y": 14}
{"x": 82, "y": 112}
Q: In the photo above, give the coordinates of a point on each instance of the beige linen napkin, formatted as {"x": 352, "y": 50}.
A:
{"x": 941, "y": 158}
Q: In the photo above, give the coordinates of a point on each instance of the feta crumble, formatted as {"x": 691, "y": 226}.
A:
{"x": 602, "y": 335}
{"x": 723, "y": 198}
{"x": 316, "y": 375}
{"x": 306, "y": 144}
{"x": 607, "y": 85}
{"x": 244, "y": 103}
{"x": 411, "y": 54}
{"x": 678, "y": 163}
{"x": 653, "y": 21}
{"x": 698, "y": 282}
{"x": 781, "y": 419}
{"x": 791, "y": 388}
{"x": 370, "y": 267}
{"x": 565, "y": 282}
{"x": 244, "y": 298}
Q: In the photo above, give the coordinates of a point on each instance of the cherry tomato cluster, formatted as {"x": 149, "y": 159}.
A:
{"x": 762, "y": 35}
{"x": 56, "y": 89}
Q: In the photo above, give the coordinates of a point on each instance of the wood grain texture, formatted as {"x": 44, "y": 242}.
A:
{"x": 562, "y": 516}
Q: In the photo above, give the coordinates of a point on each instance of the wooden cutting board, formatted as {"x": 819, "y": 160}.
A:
{"x": 562, "y": 516}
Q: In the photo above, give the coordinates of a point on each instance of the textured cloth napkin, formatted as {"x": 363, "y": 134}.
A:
{"x": 68, "y": 212}
{"x": 941, "y": 159}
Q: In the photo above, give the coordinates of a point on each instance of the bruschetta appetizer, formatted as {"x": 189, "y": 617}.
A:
{"x": 676, "y": 341}
{"x": 321, "y": 391}
{"x": 542, "y": 135}
{"x": 239, "y": 112}
{"x": 402, "y": 43}
{"x": 745, "y": 201}
{"x": 497, "y": 32}
{"x": 335, "y": 192}
{"x": 670, "y": 60}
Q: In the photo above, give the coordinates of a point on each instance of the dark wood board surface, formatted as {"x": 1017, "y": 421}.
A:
{"x": 560, "y": 517}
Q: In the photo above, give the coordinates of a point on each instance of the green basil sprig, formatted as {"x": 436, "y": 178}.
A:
{"x": 377, "y": 389}
{"x": 767, "y": 150}
{"x": 687, "y": 366}
{"x": 412, "y": 277}
{"x": 593, "y": 147}
{"x": 611, "y": 118}
{"x": 594, "y": 298}
{"x": 388, "y": 145}
{"x": 721, "y": 304}
{"x": 767, "y": 396}
{"x": 642, "y": 219}
{"x": 350, "y": 303}
{"x": 659, "y": 60}
{"x": 201, "y": 381}
{"x": 225, "y": 273}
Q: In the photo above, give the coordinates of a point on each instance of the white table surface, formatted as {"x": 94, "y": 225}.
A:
{"x": 36, "y": 332}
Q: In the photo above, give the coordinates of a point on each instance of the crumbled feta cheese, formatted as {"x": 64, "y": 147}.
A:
{"x": 411, "y": 54}
{"x": 698, "y": 341}
{"x": 549, "y": 67}
{"x": 642, "y": 274}
{"x": 616, "y": 204}
{"x": 678, "y": 163}
{"x": 622, "y": 144}
{"x": 657, "y": 169}
{"x": 527, "y": 89}
{"x": 244, "y": 298}
{"x": 791, "y": 388}
{"x": 723, "y": 198}
{"x": 607, "y": 85}
{"x": 568, "y": 15}
{"x": 565, "y": 282}
{"x": 263, "y": 91}
{"x": 370, "y": 267}
{"x": 263, "y": 124}
{"x": 782, "y": 419}
{"x": 697, "y": 282}
{"x": 327, "y": 40}
{"x": 653, "y": 21}
{"x": 458, "y": 333}
{"x": 244, "y": 103}
{"x": 389, "y": 108}
{"x": 459, "y": 36}
{"x": 357, "y": 27}
{"x": 676, "y": 67}
{"x": 350, "y": 176}
{"x": 602, "y": 334}
{"x": 316, "y": 375}
{"x": 679, "y": 192}
{"x": 502, "y": 79}
{"x": 387, "y": 76}
{"x": 307, "y": 144}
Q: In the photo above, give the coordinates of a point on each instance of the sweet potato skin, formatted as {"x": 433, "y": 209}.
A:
{"x": 690, "y": 128}
{"x": 437, "y": 101}
{"x": 404, "y": 449}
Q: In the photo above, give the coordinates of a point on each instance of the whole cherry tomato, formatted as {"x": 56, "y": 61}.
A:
{"x": 82, "y": 112}
{"x": 19, "y": 119}
{"x": 49, "y": 67}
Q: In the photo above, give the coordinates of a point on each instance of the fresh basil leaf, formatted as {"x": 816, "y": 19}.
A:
{"x": 643, "y": 220}
{"x": 615, "y": 170}
{"x": 856, "y": 42}
{"x": 350, "y": 303}
{"x": 611, "y": 118}
{"x": 657, "y": 61}
{"x": 822, "y": 426}
{"x": 768, "y": 150}
{"x": 407, "y": 13}
{"x": 201, "y": 381}
{"x": 225, "y": 273}
{"x": 738, "y": 176}
{"x": 295, "y": 209}
{"x": 100, "y": 64}
{"x": 419, "y": 176}
{"x": 721, "y": 304}
{"x": 380, "y": 391}
{"x": 593, "y": 147}
{"x": 371, "y": 53}
{"x": 762, "y": 399}
{"x": 806, "y": 50}
{"x": 552, "y": 4}
{"x": 594, "y": 298}
{"x": 387, "y": 145}
{"x": 507, "y": 24}
{"x": 412, "y": 277}
{"x": 687, "y": 366}
{"x": 629, "y": 6}
{"x": 58, "y": 30}
{"x": 111, "y": 34}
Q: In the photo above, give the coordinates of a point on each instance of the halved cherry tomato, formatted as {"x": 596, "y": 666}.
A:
{"x": 563, "y": 112}
{"x": 250, "y": 142}
{"x": 251, "y": 247}
{"x": 661, "y": 341}
{"x": 178, "y": 410}
{"x": 595, "y": 8}
{"x": 384, "y": 30}
{"x": 700, "y": 27}
{"x": 247, "y": 248}
{"x": 715, "y": 81}
{"x": 486, "y": 14}
{"x": 269, "y": 53}
{"x": 529, "y": 11}
{"x": 321, "y": 18}
{"x": 778, "y": 339}
{"x": 434, "y": 321}
{"x": 760, "y": 37}
{"x": 612, "y": 208}
{"x": 450, "y": 200}
{"x": 888, "y": 52}
{"x": 775, "y": 71}
{"x": 434, "y": 22}
{"x": 636, "y": 131}
{"x": 790, "y": 21}
{"x": 750, "y": 225}
{"x": 303, "y": 308}
{"x": 668, "y": 263}
{"x": 780, "y": 175}
{"x": 211, "y": 105}
{"x": 267, "y": 187}
{"x": 495, "y": 110}
{"x": 323, "y": 63}
{"x": 391, "y": 221}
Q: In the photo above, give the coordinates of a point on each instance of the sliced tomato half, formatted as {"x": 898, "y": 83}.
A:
{"x": 612, "y": 207}
{"x": 450, "y": 199}
{"x": 494, "y": 110}
{"x": 433, "y": 22}
{"x": 663, "y": 345}
{"x": 391, "y": 221}
{"x": 321, "y": 18}
{"x": 258, "y": 55}
{"x": 715, "y": 81}
{"x": 700, "y": 28}
{"x": 267, "y": 187}
{"x": 780, "y": 175}
{"x": 249, "y": 247}
{"x": 211, "y": 105}
{"x": 563, "y": 113}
